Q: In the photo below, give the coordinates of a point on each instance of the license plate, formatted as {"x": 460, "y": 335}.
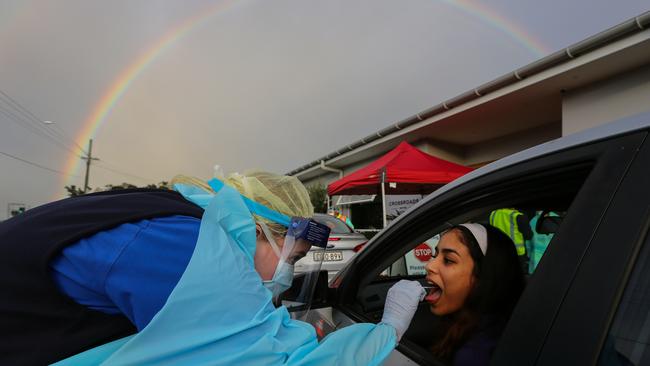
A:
{"x": 329, "y": 256}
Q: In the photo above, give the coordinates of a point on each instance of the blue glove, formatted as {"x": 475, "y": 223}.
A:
{"x": 401, "y": 303}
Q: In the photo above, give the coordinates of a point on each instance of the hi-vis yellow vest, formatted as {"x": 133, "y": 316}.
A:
{"x": 505, "y": 219}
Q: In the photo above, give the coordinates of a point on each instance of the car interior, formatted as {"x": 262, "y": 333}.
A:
{"x": 547, "y": 195}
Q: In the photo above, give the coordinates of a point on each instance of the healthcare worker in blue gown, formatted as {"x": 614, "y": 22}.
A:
{"x": 210, "y": 302}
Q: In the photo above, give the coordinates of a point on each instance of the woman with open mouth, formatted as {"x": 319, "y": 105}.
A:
{"x": 474, "y": 281}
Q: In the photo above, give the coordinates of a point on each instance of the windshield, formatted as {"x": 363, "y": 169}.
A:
{"x": 337, "y": 226}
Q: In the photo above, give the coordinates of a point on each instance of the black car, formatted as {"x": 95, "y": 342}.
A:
{"x": 587, "y": 302}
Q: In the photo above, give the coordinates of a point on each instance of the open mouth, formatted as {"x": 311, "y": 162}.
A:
{"x": 434, "y": 293}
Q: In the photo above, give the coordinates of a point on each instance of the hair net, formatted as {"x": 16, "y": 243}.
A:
{"x": 282, "y": 193}
{"x": 190, "y": 181}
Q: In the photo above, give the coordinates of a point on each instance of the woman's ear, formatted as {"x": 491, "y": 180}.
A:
{"x": 473, "y": 282}
{"x": 259, "y": 234}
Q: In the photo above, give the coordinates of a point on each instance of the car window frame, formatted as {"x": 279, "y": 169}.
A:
{"x": 362, "y": 271}
{"x": 578, "y": 336}
{"x": 532, "y": 320}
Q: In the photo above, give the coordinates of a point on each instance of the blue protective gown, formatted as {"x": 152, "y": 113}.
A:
{"x": 219, "y": 313}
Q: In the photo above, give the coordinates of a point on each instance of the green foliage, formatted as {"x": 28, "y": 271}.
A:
{"x": 112, "y": 187}
{"x": 318, "y": 197}
{"x": 75, "y": 191}
{"x": 160, "y": 185}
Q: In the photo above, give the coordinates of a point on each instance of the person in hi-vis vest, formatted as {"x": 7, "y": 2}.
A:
{"x": 515, "y": 224}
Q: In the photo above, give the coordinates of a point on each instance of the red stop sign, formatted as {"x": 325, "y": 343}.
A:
{"x": 422, "y": 252}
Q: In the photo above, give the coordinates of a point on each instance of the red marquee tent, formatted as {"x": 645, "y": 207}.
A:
{"x": 412, "y": 171}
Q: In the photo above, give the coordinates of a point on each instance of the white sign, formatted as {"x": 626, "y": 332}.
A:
{"x": 417, "y": 258}
{"x": 397, "y": 204}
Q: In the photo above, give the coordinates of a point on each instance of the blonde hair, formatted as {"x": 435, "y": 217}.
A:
{"x": 282, "y": 193}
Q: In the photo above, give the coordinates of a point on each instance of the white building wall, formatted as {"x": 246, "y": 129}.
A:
{"x": 506, "y": 145}
{"x": 442, "y": 150}
{"x": 606, "y": 101}
{"x": 592, "y": 105}
{"x": 324, "y": 179}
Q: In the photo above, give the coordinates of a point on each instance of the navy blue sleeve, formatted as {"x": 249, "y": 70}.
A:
{"x": 130, "y": 269}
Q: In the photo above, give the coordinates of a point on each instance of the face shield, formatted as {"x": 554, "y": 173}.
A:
{"x": 303, "y": 235}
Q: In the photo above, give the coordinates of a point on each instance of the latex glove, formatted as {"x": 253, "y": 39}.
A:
{"x": 401, "y": 303}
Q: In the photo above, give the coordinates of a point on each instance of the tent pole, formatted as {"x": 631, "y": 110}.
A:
{"x": 383, "y": 197}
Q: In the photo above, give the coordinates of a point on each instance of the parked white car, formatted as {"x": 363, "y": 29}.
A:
{"x": 342, "y": 245}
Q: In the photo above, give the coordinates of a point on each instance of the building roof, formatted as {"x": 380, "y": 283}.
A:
{"x": 620, "y": 127}
{"x": 621, "y": 48}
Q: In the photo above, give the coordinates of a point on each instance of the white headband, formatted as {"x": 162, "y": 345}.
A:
{"x": 480, "y": 234}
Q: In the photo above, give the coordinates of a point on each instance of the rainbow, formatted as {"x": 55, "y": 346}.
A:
{"x": 121, "y": 84}
{"x": 501, "y": 23}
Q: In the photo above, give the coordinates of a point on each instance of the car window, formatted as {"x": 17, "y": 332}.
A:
{"x": 337, "y": 226}
{"x": 531, "y": 230}
{"x": 533, "y": 222}
{"x": 628, "y": 340}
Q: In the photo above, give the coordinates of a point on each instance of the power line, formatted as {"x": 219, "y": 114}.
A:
{"x": 36, "y": 164}
{"x": 38, "y": 128}
{"x": 16, "y": 119}
{"x": 20, "y": 121}
{"x": 22, "y": 116}
{"x": 31, "y": 121}
{"x": 58, "y": 130}
{"x": 12, "y": 103}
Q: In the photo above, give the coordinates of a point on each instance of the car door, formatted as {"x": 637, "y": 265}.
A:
{"x": 583, "y": 179}
{"x": 543, "y": 305}
{"x": 580, "y": 329}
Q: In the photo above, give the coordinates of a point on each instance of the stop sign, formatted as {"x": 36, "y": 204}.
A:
{"x": 422, "y": 252}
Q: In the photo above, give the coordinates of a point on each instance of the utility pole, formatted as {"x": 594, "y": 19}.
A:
{"x": 89, "y": 158}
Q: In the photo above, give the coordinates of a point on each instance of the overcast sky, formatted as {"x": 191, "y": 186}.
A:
{"x": 248, "y": 84}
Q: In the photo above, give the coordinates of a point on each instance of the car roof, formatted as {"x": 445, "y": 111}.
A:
{"x": 608, "y": 130}
{"x": 351, "y": 231}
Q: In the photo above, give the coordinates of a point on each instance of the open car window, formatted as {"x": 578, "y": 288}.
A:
{"x": 409, "y": 262}
{"x": 531, "y": 230}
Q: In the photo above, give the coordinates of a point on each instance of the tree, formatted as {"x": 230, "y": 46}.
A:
{"x": 112, "y": 187}
{"x": 160, "y": 185}
{"x": 74, "y": 191}
{"x": 318, "y": 196}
